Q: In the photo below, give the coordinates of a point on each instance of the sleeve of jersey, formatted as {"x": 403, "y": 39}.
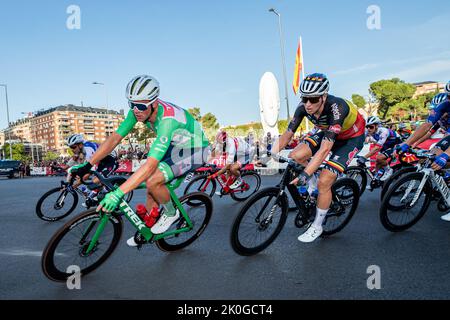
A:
{"x": 437, "y": 113}
{"x": 128, "y": 124}
{"x": 297, "y": 119}
{"x": 383, "y": 138}
{"x": 338, "y": 115}
{"x": 162, "y": 142}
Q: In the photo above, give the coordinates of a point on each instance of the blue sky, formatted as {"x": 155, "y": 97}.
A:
{"x": 211, "y": 54}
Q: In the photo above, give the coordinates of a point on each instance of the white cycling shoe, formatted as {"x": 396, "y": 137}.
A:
{"x": 446, "y": 217}
{"x": 131, "y": 242}
{"x": 387, "y": 174}
{"x": 236, "y": 184}
{"x": 164, "y": 222}
{"x": 311, "y": 234}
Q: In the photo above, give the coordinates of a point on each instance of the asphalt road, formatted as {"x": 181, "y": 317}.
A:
{"x": 414, "y": 264}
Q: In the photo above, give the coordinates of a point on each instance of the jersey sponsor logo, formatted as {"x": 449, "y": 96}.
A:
{"x": 335, "y": 111}
{"x": 351, "y": 155}
{"x": 163, "y": 140}
{"x": 173, "y": 111}
{"x": 335, "y": 129}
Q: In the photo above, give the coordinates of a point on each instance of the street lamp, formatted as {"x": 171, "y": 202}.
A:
{"x": 7, "y": 117}
{"x": 282, "y": 59}
{"x": 106, "y": 92}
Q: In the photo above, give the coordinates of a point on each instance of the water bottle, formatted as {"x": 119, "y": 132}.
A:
{"x": 379, "y": 174}
{"x": 315, "y": 194}
{"x": 84, "y": 189}
{"x": 149, "y": 218}
{"x": 303, "y": 192}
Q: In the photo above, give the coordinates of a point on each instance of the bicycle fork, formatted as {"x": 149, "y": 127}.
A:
{"x": 411, "y": 185}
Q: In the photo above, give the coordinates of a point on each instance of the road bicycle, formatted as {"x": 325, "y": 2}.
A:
{"x": 264, "y": 215}
{"x": 59, "y": 202}
{"x": 408, "y": 198}
{"x": 204, "y": 180}
{"x": 89, "y": 239}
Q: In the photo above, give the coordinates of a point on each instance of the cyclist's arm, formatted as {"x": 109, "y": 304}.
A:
{"x": 419, "y": 133}
{"x": 155, "y": 155}
{"x": 373, "y": 151}
{"x": 425, "y": 137}
{"x": 340, "y": 112}
{"x": 106, "y": 148}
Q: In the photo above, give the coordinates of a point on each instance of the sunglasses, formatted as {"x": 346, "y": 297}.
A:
{"x": 73, "y": 147}
{"x": 311, "y": 99}
{"x": 370, "y": 127}
{"x": 141, "y": 106}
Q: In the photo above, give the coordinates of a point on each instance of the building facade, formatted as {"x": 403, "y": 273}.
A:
{"x": 52, "y": 127}
{"x": 428, "y": 87}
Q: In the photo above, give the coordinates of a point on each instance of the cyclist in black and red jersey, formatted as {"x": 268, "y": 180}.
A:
{"x": 341, "y": 135}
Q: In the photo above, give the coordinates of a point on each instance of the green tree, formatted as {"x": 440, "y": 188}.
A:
{"x": 18, "y": 151}
{"x": 209, "y": 121}
{"x": 51, "y": 156}
{"x": 389, "y": 93}
{"x": 359, "y": 101}
{"x": 195, "y": 112}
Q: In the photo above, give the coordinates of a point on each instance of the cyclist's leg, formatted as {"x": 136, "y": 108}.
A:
{"x": 305, "y": 150}
{"x": 343, "y": 153}
{"x": 175, "y": 164}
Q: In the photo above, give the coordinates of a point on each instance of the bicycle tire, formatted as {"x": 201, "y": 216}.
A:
{"x": 200, "y": 178}
{"x": 384, "y": 217}
{"x": 48, "y": 256}
{"x": 43, "y": 216}
{"x": 236, "y": 243}
{"x": 354, "y": 187}
{"x": 360, "y": 172}
{"x": 395, "y": 176}
{"x": 198, "y": 198}
{"x": 236, "y": 195}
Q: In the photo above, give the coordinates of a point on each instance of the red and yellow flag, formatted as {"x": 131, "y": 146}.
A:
{"x": 298, "y": 67}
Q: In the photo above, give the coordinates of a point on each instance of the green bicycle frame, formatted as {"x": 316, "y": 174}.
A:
{"x": 138, "y": 223}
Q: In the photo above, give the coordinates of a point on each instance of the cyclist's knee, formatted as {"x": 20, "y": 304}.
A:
{"x": 326, "y": 180}
{"x": 157, "y": 179}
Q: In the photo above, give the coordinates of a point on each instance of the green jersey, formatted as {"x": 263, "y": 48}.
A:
{"x": 173, "y": 126}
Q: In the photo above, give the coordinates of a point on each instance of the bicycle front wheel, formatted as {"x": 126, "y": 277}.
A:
{"x": 393, "y": 178}
{"x": 259, "y": 222}
{"x": 404, "y": 204}
{"x": 56, "y": 204}
{"x": 68, "y": 247}
{"x": 201, "y": 184}
{"x": 198, "y": 207}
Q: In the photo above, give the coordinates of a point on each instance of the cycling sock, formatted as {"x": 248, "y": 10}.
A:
{"x": 320, "y": 216}
{"x": 169, "y": 209}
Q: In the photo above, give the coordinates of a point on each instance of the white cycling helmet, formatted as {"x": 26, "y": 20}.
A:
{"x": 74, "y": 139}
{"x": 447, "y": 88}
{"x": 142, "y": 87}
{"x": 373, "y": 120}
{"x": 314, "y": 85}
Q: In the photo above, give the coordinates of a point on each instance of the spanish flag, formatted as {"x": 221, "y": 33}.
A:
{"x": 298, "y": 67}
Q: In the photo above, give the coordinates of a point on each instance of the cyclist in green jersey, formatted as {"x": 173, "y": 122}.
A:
{"x": 180, "y": 146}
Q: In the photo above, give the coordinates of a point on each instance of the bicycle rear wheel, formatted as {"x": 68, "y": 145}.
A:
{"x": 259, "y": 222}
{"x": 56, "y": 204}
{"x": 198, "y": 207}
{"x": 68, "y": 246}
{"x": 251, "y": 183}
{"x": 343, "y": 206}
{"x": 396, "y": 212}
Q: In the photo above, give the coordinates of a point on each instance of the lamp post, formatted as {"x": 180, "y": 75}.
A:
{"x": 282, "y": 60}
{"x": 7, "y": 118}
{"x": 106, "y": 91}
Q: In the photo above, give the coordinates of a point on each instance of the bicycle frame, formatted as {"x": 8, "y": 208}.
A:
{"x": 437, "y": 181}
{"x": 136, "y": 221}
